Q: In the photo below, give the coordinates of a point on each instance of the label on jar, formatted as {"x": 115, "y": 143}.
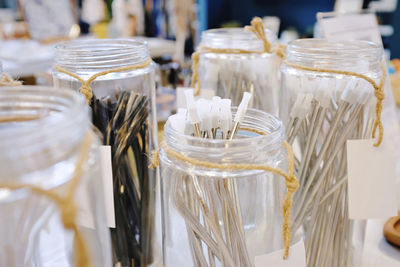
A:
{"x": 297, "y": 257}
{"x": 181, "y": 100}
{"x": 350, "y": 26}
{"x": 107, "y": 182}
{"x": 371, "y": 179}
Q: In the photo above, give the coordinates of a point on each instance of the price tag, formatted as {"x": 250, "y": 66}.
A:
{"x": 297, "y": 257}
{"x": 107, "y": 181}
{"x": 357, "y": 26}
{"x": 181, "y": 100}
{"x": 371, "y": 179}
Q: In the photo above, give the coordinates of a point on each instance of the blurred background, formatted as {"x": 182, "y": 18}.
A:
{"x": 29, "y": 29}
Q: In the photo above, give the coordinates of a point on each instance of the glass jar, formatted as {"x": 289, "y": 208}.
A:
{"x": 231, "y": 74}
{"x": 123, "y": 108}
{"x": 42, "y": 132}
{"x": 321, "y": 111}
{"x": 244, "y": 206}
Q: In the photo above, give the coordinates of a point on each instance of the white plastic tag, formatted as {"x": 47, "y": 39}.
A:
{"x": 107, "y": 179}
{"x": 181, "y": 100}
{"x": 350, "y": 27}
{"x": 297, "y": 257}
{"x": 371, "y": 179}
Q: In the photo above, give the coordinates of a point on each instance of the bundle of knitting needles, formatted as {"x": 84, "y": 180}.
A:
{"x": 210, "y": 207}
{"x": 123, "y": 123}
{"x": 326, "y": 112}
{"x": 233, "y": 76}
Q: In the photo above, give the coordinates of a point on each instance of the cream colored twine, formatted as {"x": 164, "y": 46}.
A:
{"x": 66, "y": 204}
{"x": 257, "y": 28}
{"x": 86, "y": 90}
{"x": 7, "y": 80}
{"x": 291, "y": 181}
{"x": 378, "y": 91}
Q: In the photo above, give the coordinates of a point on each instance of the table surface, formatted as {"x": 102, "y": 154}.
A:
{"x": 378, "y": 252}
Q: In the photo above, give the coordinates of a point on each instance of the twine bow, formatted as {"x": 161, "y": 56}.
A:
{"x": 85, "y": 88}
{"x": 257, "y": 27}
{"x": 66, "y": 204}
{"x": 291, "y": 181}
{"x": 7, "y": 80}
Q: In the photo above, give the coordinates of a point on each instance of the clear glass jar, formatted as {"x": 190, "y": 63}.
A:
{"x": 42, "y": 131}
{"x": 123, "y": 109}
{"x": 232, "y": 74}
{"x": 245, "y": 205}
{"x": 322, "y": 110}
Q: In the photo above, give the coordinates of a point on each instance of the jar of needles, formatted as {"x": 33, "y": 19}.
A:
{"x": 234, "y": 61}
{"x": 51, "y": 202}
{"x": 215, "y": 214}
{"x": 117, "y": 78}
{"x": 327, "y": 98}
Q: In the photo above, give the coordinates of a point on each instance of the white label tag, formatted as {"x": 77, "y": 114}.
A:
{"x": 107, "y": 179}
{"x": 181, "y": 100}
{"x": 371, "y": 179}
{"x": 351, "y": 27}
{"x": 297, "y": 257}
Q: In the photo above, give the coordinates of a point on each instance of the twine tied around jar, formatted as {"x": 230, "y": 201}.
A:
{"x": 7, "y": 80}
{"x": 291, "y": 181}
{"x": 378, "y": 92}
{"x": 66, "y": 204}
{"x": 85, "y": 88}
{"x": 258, "y": 29}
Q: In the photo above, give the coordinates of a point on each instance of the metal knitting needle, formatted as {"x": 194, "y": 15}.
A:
{"x": 310, "y": 195}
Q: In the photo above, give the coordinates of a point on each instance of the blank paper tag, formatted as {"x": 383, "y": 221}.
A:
{"x": 371, "y": 180}
{"x": 297, "y": 257}
{"x": 351, "y": 27}
{"x": 181, "y": 100}
{"x": 107, "y": 179}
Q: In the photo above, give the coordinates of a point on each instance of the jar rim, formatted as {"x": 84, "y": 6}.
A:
{"x": 79, "y": 45}
{"x": 57, "y": 116}
{"x": 234, "y": 38}
{"x": 350, "y": 55}
{"x": 338, "y": 48}
{"x": 97, "y": 54}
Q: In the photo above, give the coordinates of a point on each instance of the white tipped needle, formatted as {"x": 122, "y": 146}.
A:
{"x": 226, "y": 117}
{"x": 192, "y": 111}
{"x": 241, "y": 112}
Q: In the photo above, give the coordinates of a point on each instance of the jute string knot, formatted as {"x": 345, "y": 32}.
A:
{"x": 85, "y": 88}
{"x": 66, "y": 204}
{"x": 7, "y": 80}
{"x": 86, "y": 91}
{"x": 257, "y": 28}
{"x": 291, "y": 181}
{"x": 378, "y": 92}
